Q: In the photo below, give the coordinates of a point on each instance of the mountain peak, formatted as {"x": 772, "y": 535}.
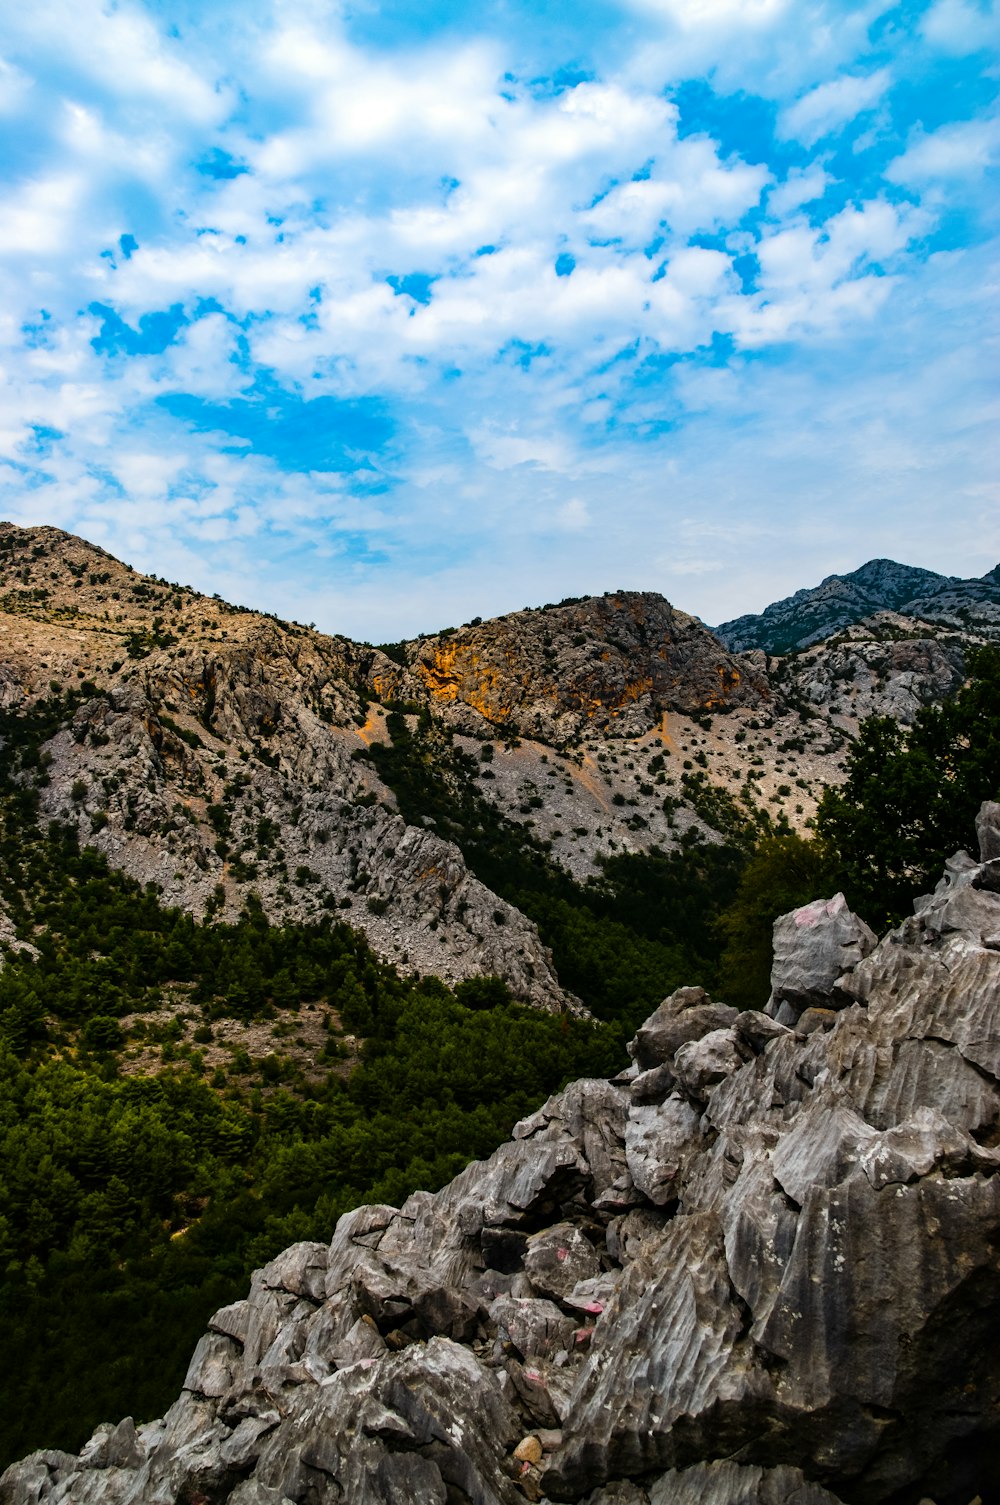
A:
{"x": 815, "y": 613}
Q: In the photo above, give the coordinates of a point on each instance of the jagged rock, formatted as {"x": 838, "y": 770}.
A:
{"x": 701, "y": 1064}
{"x": 840, "y": 600}
{"x": 757, "y": 1030}
{"x": 718, "y": 1484}
{"x": 658, "y": 1141}
{"x": 537, "y": 1329}
{"x": 686, "y": 1015}
{"x": 988, "y": 831}
{"x": 813, "y": 947}
{"x": 558, "y": 1258}
{"x": 801, "y": 1271}
{"x": 612, "y": 660}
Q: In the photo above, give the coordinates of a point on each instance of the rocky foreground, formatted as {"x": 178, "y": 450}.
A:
{"x": 761, "y": 1266}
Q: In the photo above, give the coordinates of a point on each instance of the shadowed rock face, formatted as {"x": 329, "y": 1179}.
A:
{"x": 761, "y": 1266}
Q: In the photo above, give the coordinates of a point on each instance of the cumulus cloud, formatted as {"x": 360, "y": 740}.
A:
{"x": 958, "y": 27}
{"x": 953, "y": 151}
{"x": 278, "y": 292}
{"x": 831, "y": 105}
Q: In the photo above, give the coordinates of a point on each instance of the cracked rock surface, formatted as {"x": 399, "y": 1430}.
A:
{"x": 761, "y": 1266}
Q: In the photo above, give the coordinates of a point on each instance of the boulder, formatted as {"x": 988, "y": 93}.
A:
{"x": 814, "y": 947}
{"x": 686, "y": 1015}
{"x": 988, "y": 831}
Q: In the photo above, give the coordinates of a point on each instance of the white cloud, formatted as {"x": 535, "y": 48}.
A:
{"x": 822, "y": 280}
{"x": 521, "y": 402}
{"x": 959, "y": 27}
{"x": 505, "y": 450}
{"x": 696, "y": 15}
{"x": 573, "y": 515}
{"x": 802, "y": 186}
{"x": 831, "y": 105}
{"x": 120, "y": 48}
{"x": 40, "y": 215}
{"x": 952, "y": 151}
{"x": 14, "y": 86}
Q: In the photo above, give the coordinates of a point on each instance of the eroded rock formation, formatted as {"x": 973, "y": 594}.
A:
{"x": 762, "y": 1265}
{"x": 615, "y": 661}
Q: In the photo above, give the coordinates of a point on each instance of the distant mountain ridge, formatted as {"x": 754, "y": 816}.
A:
{"x": 881, "y": 585}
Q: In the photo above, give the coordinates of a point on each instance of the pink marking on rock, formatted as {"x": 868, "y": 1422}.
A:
{"x": 595, "y": 1307}
{"x": 562, "y": 1254}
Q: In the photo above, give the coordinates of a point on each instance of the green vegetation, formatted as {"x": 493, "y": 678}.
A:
{"x": 132, "y": 1205}
{"x": 908, "y": 803}
{"x": 620, "y": 943}
{"x": 911, "y": 795}
{"x": 783, "y": 872}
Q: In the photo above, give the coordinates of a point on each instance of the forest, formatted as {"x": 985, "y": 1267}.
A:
{"x": 132, "y": 1205}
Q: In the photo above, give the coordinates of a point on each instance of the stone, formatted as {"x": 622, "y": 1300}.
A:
{"x": 558, "y": 1258}
{"x": 686, "y": 1015}
{"x": 725, "y": 1483}
{"x": 988, "y": 831}
{"x": 536, "y": 1328}
{"x": 528, "y": 1450}
{"x": 813, "y": 947}
{"x": 659, "y": 1141}
{"x": 701, "y": 1064}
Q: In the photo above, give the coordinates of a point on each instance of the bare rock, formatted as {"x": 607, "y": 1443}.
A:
{"x": 813, "y": 947}
{"x": 988, "y": 831}
{"x": 686, "y": 1015}
{"x": 726, "y": 1483}
{"x": 701, "y": 1064}
{"x": 659, "y": 1141}
{"x": 558, "y": 1258}
{"x": 536, "y": 1328}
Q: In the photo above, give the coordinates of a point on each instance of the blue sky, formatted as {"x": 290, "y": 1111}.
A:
{"x": 387, "y": 315}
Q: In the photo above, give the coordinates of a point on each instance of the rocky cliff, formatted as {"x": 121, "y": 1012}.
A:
{"x": 614, "y": 662}
{"x": 762, "y": 1265}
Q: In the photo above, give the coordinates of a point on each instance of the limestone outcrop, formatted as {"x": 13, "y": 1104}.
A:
{"x": 219, "y": 752}
{"x": 614, "y": 662}
{"x": 760, "y": 1266}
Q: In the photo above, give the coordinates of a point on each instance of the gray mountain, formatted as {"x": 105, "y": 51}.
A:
{"x": 840, "y": 601}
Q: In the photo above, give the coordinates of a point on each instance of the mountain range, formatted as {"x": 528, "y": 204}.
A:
{"x": 880, "y": 587}
{"x": 217, "y": 751}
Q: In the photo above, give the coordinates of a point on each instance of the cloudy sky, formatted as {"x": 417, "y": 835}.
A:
{"x": 384, "y": 315}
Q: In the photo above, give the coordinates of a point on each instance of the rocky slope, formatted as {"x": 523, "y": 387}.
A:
{"x": 611, "y": 663}
{"x": 213, "y": 754}
{"x": 216, "y": 751}
{"x": 763, "y": 1265}
{"x": 881, "y": 585}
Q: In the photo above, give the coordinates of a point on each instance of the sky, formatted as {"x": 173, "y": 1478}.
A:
{"x": 388, "y": 315}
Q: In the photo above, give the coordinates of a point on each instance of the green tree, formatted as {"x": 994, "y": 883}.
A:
{"x": 911, "y": 795}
